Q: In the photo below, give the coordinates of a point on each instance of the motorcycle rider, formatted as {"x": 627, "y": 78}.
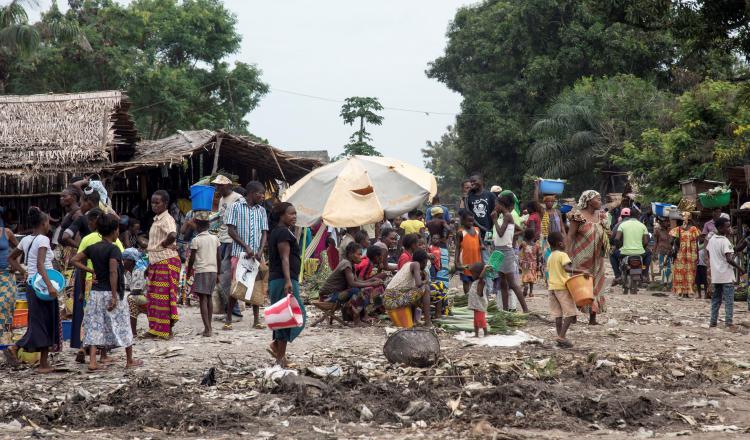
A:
{"x": 632, "y": 240}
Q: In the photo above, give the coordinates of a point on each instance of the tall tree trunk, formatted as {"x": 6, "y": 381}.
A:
{"x": 361, "y": 128}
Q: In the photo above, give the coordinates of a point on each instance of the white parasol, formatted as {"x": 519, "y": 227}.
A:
{"x": 358, "y": 190}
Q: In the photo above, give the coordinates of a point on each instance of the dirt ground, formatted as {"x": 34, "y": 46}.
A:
{"x": 652, "y": 370}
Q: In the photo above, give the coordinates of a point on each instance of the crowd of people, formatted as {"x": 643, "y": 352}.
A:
{"x": 117, "y": 272}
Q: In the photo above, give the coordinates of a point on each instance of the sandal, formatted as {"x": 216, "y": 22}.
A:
{"x": 259, "y": 326}
{"x": 227, "y": 327}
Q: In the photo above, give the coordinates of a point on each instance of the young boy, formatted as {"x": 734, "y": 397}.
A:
{"x": 720, "y": 254}
{"x": 204, "y": 260}
{"x": 561, "y": 304}
{"x": 477, "y": 299}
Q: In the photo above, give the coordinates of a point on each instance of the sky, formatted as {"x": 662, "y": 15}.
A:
{"x": 335, "y": 49}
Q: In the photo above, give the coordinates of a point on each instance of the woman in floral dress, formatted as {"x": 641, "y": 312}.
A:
{"x": 686, "y": 262}
{"x": 587, "y": 245}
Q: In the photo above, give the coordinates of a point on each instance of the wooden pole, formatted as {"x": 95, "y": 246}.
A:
{"x": 304, "y": 249}
{"x": 215, "y": 168}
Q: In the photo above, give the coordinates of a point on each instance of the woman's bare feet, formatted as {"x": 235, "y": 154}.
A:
{"x": 135, "y": 363}
{"x": 44, "y": 370}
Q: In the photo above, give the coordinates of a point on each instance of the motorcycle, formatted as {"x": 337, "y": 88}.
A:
{"x": 632, "y": 273}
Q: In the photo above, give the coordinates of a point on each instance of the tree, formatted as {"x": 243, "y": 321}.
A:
{"x": 20, "y": 39}
{"x": 710, "y": 131}
{"x": 445, "y": 160}
{"x": 361, "y": 109}
{"x": 510, "y": 59}
{"x": 176, "y": 76}
{"x": 588, "y": 124}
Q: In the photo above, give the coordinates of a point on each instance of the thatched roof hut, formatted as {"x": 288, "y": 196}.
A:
{"x": 43, "y": 134}
{"x": 239, "y": 154}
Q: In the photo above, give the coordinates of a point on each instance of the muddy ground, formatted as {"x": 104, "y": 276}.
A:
{"x": 654, "y": 369}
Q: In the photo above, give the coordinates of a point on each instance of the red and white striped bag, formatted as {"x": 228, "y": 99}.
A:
{"x": 285, "y": 313}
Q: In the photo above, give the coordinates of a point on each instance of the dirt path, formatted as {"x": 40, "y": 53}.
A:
{"x": 654, "y": 369}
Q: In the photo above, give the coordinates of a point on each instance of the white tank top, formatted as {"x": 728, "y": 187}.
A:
{"x": 506, "y": 240}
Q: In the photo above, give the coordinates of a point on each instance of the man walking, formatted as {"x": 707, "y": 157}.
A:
{"x": 247, "y": 224}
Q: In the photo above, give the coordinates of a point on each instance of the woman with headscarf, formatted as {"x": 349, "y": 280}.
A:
{"x": 685, "y": 263}
{"x": 588, "y": 245}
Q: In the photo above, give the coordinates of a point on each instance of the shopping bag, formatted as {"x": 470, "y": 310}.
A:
{"x": 285, "y": 313}
{"x": 257, "y": 296}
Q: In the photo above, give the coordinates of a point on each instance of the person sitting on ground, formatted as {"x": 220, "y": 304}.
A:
{"x": 411, "y": 244}
{"x": 365, "y": 271}
{"x": 135, "y": 282}
{"x": 129, "y": 237}
{"x": 561, "y": 304}
{"x": 204, "y": 267}
{"x": 388, "y": 242}
{"x": 413, "y": 225}
{"x": 343, "y": 287}
{"x": 361, "y": 238}
{"x": 410, "y": 288}
{"x": 347, "y": 238}
{"x": 106, "y": 318}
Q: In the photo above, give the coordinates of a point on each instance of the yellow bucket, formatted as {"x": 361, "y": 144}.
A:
{"x": 22, "y": 304}
{"x": 401, "y": 317}
{"x": 581, "y": 288}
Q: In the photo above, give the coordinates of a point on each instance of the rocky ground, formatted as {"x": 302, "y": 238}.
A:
{"x": 652, "y": 370}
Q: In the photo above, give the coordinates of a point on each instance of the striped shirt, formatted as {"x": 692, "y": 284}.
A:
{"x": 162, "y": 226}
{"x": 250, "y": 222}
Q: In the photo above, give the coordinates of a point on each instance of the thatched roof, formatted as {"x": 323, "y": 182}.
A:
{"x": 321, "y": 155}
{"x": 42, "y": 134}
{"x": 235, "y": 153}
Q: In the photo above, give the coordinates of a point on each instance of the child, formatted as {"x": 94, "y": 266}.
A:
{"x": 477, "y": 299}
{"x": 204, "y": 260}
{"x": 561, "y": 304}
{"x": 106, "y": 318}
{"x": 410, "y": 244}
{"x": 701, "y": 271}
{"x": 720, "y": 255}
{"x": 468, "y": 249}
{"x": 530, "y": 257}
{"x": 342, "y": 286}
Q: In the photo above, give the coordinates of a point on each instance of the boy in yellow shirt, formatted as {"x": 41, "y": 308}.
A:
{"x": 561, "y": 305}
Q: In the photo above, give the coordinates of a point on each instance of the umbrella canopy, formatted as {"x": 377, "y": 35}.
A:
{"x": 358, "y": 190}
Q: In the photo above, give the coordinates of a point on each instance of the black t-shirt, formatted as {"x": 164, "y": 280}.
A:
{"x": 79, "y": 226}
{"x": 482, "y": 205}
{"x": 100, "y": 254}
{"x": 280, "y": 235}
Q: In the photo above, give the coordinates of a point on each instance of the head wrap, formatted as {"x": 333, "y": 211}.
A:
{"x": 437, "y": 210}
{"x": 508, "y": 192}
{"x": 131, "y": 254}
{"x": 586, "y": 197}
{"x": 725, "y": 215}
{"x": 496, "y": 189}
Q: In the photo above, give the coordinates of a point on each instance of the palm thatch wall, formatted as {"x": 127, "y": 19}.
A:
{"x": 63, "y": 133}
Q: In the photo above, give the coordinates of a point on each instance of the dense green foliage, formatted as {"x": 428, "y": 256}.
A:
{"x": 361, "y": 110}
{"x": 562, "y": 88}
{"x": 444, "y": 158}
{"x": 168, "y": 56}
{"x": 709, "y": 131}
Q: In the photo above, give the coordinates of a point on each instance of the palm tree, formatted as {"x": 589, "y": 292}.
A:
{"x": 19, "y": 38}
{"x": 570, "y": 140}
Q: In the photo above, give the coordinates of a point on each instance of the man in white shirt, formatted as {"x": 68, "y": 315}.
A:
{"x": 721, "y": 257}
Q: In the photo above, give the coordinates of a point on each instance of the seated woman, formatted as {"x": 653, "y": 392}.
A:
{"x": 410, "y": 244}
{"x": 376, "y": 259}
{"x": 343, "y": 287}
{"x": 410, "y": 287}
